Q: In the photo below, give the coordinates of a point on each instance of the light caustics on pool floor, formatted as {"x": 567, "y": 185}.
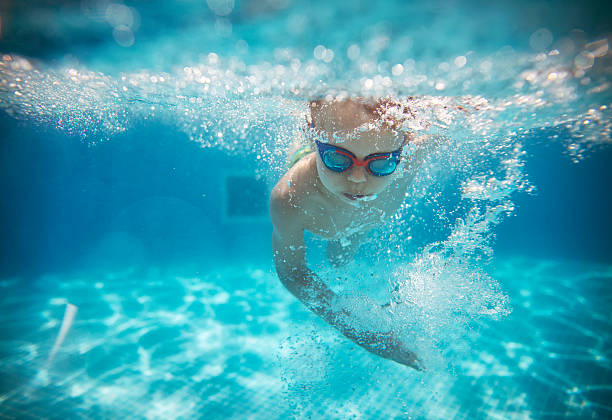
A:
{"x": 231, "y": 343}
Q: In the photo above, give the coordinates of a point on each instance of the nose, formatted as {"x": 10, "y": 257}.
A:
{"x": 357, "y": 174}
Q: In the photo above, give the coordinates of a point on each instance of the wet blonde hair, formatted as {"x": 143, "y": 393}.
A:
{"x": 383, "y": 113}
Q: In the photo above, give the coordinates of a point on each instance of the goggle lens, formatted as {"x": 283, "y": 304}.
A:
{"x": 382, "y": 167}
{"x": 336, "y": 162}
{"x": 339, "y": 160}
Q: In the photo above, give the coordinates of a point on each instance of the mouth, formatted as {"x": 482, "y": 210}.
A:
{"x": 360, "y": 197}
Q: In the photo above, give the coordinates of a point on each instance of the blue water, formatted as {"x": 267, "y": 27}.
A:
{"x": 139, "y": 145}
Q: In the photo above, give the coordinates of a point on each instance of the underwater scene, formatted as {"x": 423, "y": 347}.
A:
{"x": 151, "y": 194}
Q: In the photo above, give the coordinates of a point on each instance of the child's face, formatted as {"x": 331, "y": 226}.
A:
{"x": 356, "y": 183}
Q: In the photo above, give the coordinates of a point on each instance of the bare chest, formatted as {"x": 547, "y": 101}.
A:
{"x": 332, "y": 222}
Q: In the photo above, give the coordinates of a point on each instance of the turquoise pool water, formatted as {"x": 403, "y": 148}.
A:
{"x": 139, "y": 145}
{"x": 230, "y": 343}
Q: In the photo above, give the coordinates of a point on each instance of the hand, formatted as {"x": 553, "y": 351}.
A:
{"x": 388, "y": 346}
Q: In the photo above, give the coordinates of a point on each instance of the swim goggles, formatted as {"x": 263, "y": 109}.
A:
{"x": 338, "y": 159}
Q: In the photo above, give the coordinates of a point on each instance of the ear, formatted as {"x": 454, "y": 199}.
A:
{"x": 309, "y": 121}
{"x": 407, "y": 138}
{"x": 310, "y": 117}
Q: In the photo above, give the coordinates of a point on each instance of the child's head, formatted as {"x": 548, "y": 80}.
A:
{"x": 346, "y": 117}
{"x": 362, "y": 128}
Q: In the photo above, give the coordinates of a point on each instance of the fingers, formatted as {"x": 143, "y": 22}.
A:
{"x": 416, "y": 363}
{"x": 410, "y": 359}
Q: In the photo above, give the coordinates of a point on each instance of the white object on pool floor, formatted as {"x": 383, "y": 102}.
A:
{"x": 69, "y": 315}
{"x": 42, "y": 377}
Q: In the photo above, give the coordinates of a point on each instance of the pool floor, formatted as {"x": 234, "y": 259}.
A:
{"x": 230, "y": 342}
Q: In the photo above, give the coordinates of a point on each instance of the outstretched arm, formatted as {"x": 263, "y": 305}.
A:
{"x": 290, "y": 262}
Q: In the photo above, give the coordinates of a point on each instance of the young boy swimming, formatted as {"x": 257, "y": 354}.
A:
{"x": 352, "y": 175}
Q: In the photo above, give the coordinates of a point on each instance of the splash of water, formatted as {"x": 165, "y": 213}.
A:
{"x": 222, "y": 101}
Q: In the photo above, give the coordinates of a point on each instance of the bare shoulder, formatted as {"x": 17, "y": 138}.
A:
{"x": 422, "y": 147}
{"x": 291, "y": 194}
{"x": 430, "y": 142}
